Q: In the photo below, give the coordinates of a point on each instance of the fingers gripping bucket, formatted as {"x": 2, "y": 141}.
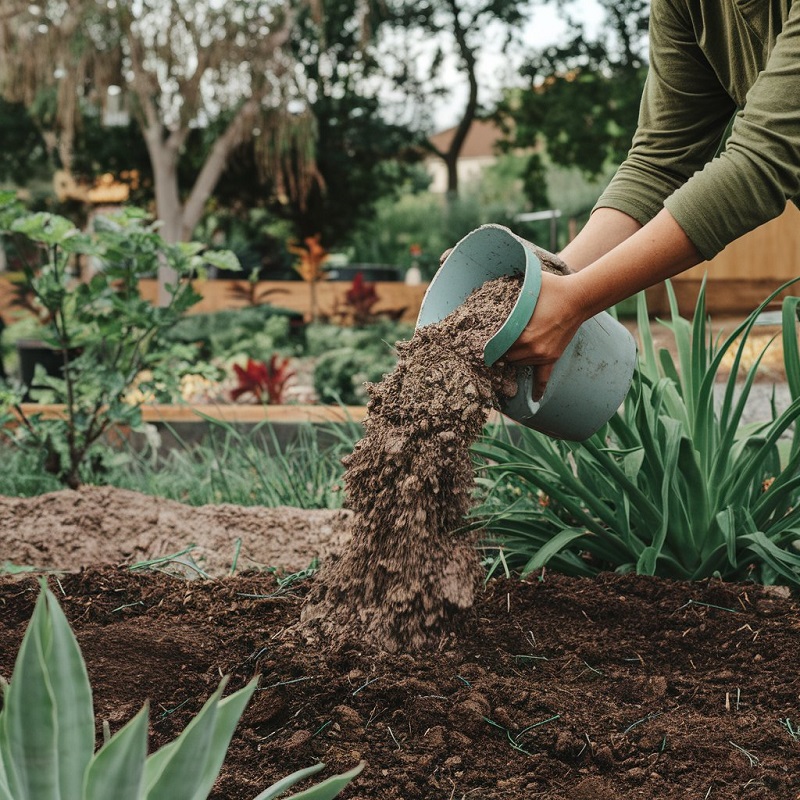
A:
{"x": 592, "y": 377}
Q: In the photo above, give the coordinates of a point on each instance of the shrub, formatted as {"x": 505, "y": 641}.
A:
{"x": 256, "y": 331}
{"x": 674, "y": 485}
{"x": 103, "y": 333}
{"x": 347, "y": 358}
{"x": 47, "y": 731}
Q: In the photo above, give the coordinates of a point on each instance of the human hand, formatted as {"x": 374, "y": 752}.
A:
{"x": 555, "y": 321}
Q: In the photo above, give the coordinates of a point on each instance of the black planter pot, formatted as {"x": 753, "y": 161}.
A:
{"x": 34, "y": 351}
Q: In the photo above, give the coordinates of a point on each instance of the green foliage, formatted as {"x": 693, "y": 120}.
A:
{"x": 256, "y": 331}
{"x": 47, "y": 731}
{"x": 428, "y": 221}
{"x": 23, "y": 154}
{"x": 103, "y": 331}
{"x": 360, "y": 155}
{"x": 582, "y": 98}
{"x": 349, "y": 357}
{"x": 266, "y": 465}
{"x": 675, "y": 485}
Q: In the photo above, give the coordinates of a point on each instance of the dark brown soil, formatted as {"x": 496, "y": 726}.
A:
{"x": 618, "y": 687}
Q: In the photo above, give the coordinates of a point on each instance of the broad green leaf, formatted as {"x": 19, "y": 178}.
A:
{"x": 117, "y": 771}
{"x": 223, "y": 259}
{"x": 784, "y": 563}
{"x": 229, "y": 711}
{"x": 46, "y": 228}
{"x": 73, "y": 701}
{"x": 552, "y": 548}
{"x": 29, "y": 716}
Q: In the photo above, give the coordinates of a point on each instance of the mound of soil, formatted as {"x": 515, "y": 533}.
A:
{"x": 618, "y": 687}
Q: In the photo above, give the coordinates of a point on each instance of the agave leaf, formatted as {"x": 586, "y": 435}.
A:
{"x": 229, "y": 711}
{"x": 173, "y": 773}
{"x": 73, "y": 698}
{"x": 286, "y": 783}
{"x": 5, "y": 791}
{"x": 117, "y": 770}
{"x": 552, "y": 548}
{"x": 29, "y": 716}
{"x": 326, "y": 790}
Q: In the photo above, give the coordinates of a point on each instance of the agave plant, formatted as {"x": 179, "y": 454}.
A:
{"x": 675, "y": 485}
{"x": 47, "y": 733}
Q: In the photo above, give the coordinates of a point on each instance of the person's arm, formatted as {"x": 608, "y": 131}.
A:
{"x": 605, "y": 229}
{"x": 657, "y": 251}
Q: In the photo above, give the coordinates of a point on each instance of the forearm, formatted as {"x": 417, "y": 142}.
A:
{"x": 655, "y": 252}
{"x": 605, "y": 229}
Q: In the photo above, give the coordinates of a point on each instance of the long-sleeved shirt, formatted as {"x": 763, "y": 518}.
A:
{"x": 711, "y": 60}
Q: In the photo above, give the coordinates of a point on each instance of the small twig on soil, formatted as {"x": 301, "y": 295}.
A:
{"x": 651, "y": 715}
{"x": 750, "y": 757}
{"x": 708, "y": 605}
{"x": 364, "y": 685}
{"x": 127, "y": 605}
{"x": 286, "y": 683}
{"x": 393, "y": 739}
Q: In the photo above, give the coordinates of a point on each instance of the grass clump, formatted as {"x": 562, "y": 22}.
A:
{"x": 676, "y": 484}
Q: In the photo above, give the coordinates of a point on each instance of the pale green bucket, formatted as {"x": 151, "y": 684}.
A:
{"x": 592, "y": 377}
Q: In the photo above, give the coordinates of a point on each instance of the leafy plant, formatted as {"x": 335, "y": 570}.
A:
{"x": 255, "y": 331}
{"x": 102, "y": 331}
{"x": 47, "y": 731}
{"x": 250, "y": 292}
{"x": 310, "y": 267}
{"x": 347, "y": 358}
{"x": 359, "y": 302}
{"x": 674, "y": 485}
{"x": 265, "y": 380}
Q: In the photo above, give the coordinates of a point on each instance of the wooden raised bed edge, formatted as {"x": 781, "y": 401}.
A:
{"x": 249, "y": 414}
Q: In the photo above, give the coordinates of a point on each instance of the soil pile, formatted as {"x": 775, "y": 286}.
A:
{"x": 97, "y": 525}
{"x": 404, "y": 581}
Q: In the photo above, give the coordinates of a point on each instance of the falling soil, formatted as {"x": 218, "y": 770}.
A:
{"x": 405, "y": 579}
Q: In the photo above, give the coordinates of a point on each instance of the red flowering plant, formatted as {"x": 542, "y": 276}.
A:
{"x": 359, "y": 302}
{"x": 265, "y": 380}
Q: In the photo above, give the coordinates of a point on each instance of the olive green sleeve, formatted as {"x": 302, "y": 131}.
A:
{"x": 759, "y": 170}
{"x": 683, "y": 115}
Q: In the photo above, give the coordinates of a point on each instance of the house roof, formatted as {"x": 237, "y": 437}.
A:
{"x": 481, "y": 140}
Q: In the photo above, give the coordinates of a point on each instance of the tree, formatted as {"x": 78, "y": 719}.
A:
{"x": 360, "y": 156}
{"x": 465, "y": 26}
{"x": 23, "y": 153}
{"x": 582, "y": 97}
{"x": 176, "y": 64}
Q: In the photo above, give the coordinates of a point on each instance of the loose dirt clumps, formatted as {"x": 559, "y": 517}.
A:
{"x": 405, "y": 578}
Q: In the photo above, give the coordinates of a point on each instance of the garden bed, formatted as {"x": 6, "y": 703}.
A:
{"x": 621, "y": 686}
